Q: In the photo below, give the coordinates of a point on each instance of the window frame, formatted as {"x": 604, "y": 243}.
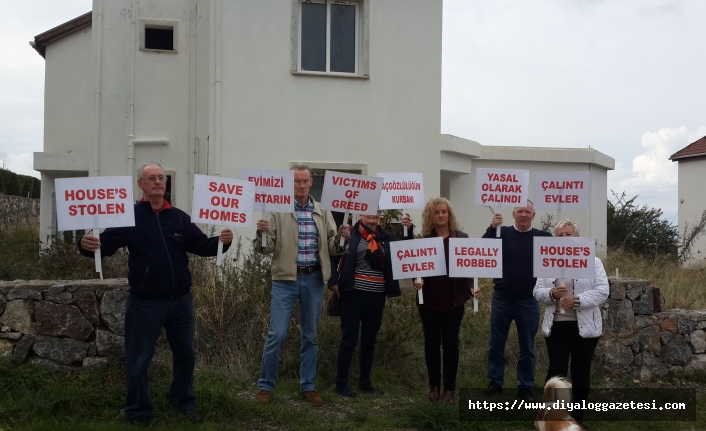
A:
{"x": 362, "y": 42}
{"x": 159, "y": 24}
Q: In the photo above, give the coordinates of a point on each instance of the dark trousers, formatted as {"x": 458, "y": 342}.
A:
{"x": 143, "y": 322}
{"x": 441, "y": 329}
{"x": 564, "y": 342}
{"x": 525, "y": 313}
{"x": 360, "y": 312}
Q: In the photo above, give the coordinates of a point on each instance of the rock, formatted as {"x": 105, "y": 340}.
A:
{"x": 697, "y": 339}
{"x": 633, "y": 292}
{"x": 642, "y": 321}
{"x": 644, "y": 304}
{"x": 649, "y": 339}
{"x": 6, "y": 347}
{"x": 18, "y": 316}
{"x": 631, "y": 341}
{"x": 701, "y": 325}
{"x": 652, "y": 367}
{"x": 621, "y": 317}
{"x": 88, "y": 303}
{"x": 10, "y": 335}
{"x": 22, "y": 349}
{"x": 668, "y": 324}
{"x": 23, "y": 294}
{"x": 617, "y": 355}
{"x": 3, "y": 304}
{"x": 51, "y": 365}
{"x": 62, "y": 321}
{"x": 617, "y": 292}
{"x": 62, "y": 350}
{"x": 697, "y": 363}
{"x": 687, "y": 323}
{"x": 677, "y": 351}
{"x": 92, "y": 350}
{"x": 54, "y": 289}
{"x": 109, "y": 344}
{"x": 665, "y": 336}
{"x": 94, "y": 362}
{"x": 5, "y": 329}
{"x": 112, "y": 310}
{"x": 638, "y": 359}
{"x": 60, "y": 298}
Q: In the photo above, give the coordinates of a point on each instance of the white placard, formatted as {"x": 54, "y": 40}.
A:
{"x": 274, "y": 190}
{"x": 418, "y": 258}
{"x": 94, "y": 202}
{"x": 222, "y": 201}
{"x": 501, "y": 187}
{"x": 562, "y": 190}
{"x": 475, "y": 257}
{"x": 564, "y": 257}
{"x": 401, "y": 190}
{"x": 351, "y": 193}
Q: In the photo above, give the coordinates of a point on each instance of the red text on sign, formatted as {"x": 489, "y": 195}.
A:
{"x": 570, "y": 199}
{"x": 230, "y": 216}
{"x": 565, "y": 251}
{"x": 550, "y": 262}
{"x": 418, "y": 252}
{"x": 231, "y": 189}
{"x": 218, "y": 201}
{"x": 273, "y": 199}
{"x": 349, "y": 205}
{"x": 95, "y": 194}
{"x": 477, "y": 263}
{"x": 96, "y": 209}
{"x": 417, "y": 266}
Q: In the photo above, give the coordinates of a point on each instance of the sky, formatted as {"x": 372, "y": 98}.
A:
{"x": 625, "y": 77}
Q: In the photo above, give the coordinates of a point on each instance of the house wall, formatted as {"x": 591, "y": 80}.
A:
{"x": 692, "y": 201}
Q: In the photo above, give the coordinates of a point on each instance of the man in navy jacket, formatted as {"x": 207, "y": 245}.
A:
{"x": 160, "y": 296}
{"x": 513, "y": 300}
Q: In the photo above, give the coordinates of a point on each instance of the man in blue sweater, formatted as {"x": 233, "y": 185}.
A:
{"x": 513, "y": 300}
{"x": 160, "y": 296}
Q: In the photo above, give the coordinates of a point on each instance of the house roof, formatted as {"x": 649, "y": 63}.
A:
{"x": 42, "y": 40}
{"x": 694, "y": 149}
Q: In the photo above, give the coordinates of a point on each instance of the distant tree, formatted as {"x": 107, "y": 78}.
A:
{"x": 641, "y": 230}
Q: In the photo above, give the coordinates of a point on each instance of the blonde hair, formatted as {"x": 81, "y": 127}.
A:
{"x": 562, "y": 224}
{"x": 428, "y": 215}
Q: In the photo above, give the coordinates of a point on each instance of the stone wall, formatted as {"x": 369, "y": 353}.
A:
{"x": 62, "y": 325}
{"x": 16, "y": 210}
{"x": 645, "y": 344}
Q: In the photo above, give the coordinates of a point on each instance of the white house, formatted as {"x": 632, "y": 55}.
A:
{"x": 692, "y": 199}
{"x": 210, "y": 86}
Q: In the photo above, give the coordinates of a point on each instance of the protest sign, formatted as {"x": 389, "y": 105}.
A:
{"x": 417, "y": 258}
{"x": 274, "y": 191}
{"x": 401, "y": 190}
{"x": 223, "y": 202}
{"x": 562, "y": 190}
{"x": 351, "y": 193}
{"x": 501, "y": 187}
{"x": 94, "y": 203}
{"x": 475, "y": 257}
{"x": 564, "y": 257}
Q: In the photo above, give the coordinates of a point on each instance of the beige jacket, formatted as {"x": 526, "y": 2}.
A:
{"x": 283, "y": 241}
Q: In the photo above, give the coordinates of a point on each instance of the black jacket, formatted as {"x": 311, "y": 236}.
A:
{"x": 344, "y": 277}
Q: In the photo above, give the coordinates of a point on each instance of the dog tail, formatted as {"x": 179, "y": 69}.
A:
{"x": 557, "y": 389}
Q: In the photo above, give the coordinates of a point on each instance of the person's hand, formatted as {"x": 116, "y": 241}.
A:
{"x": 343, "y": 231}
{"x": 567, "y": 302}
{"x": 226, "y": 236}
{"x": 559, "y": 292}
{"x": 497, "y": 220}
{"x": 262, "y": 226}
{"x": 334, "y": 290}
{"x": 406, "y": 220}
{"x": 418, "y": 283}
{"x": 90, "y": 243}
{"x": 476, "y": 293}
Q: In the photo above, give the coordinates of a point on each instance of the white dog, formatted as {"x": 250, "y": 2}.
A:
{"x": 551, "y": 419}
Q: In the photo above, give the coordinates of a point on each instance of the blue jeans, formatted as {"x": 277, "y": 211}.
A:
{"x": 144, "y": 320}
{"x": 525, "y": 313}
{"x": 309, "y": 289}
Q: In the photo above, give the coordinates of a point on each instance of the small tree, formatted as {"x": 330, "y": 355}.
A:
{"x": 640, "y": 230}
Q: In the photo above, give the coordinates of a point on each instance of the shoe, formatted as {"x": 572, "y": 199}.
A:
{"x": 193, "y": 416}
{"x": 366, "y": 388}
{"x": 525, "y": 394}
{"x": 434, "y": 394}
{"x": 449, "y": 396}
{"x": 493, "y": 389}
{"x": 263, "y": 396}
{"x": 313, "y": 398}
{"x": 345, "y": 391}
{"x": 139, "y": 421}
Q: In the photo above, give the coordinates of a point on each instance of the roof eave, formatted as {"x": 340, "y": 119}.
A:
{"x": 42, "y": 40}
{"x": 687, "y": 156}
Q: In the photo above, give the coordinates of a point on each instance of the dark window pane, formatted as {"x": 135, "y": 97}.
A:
{"x": 159, "y": 38}
{"x": 313, "y": 37}
{"x": 342, "y": 38}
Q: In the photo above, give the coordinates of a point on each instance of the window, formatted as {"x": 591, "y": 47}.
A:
{"x": 330, "y": 37}
{"x": 160, "y": 36}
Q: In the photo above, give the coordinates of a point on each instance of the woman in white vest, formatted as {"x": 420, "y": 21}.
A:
{"x": 572, "y": 321}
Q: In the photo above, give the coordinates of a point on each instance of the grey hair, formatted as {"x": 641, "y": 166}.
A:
{"x": 301, "y": 167}
{"x": 529, "y": 202}
{"x": 141, "y": 171}
{"x": 562, "y": 224}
